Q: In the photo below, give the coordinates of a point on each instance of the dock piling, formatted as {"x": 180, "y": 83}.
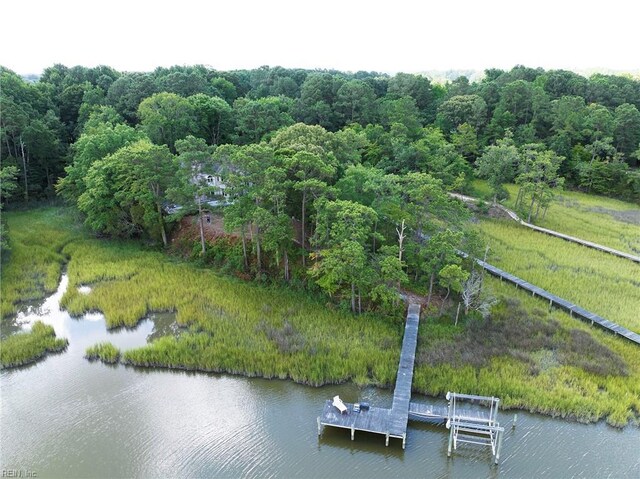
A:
{"x": 474, "y": 424}
{"x": 500, "y": 434}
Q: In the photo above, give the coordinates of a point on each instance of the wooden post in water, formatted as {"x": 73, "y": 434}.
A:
{"x": 450, "y": 439}
{"x": 353, "y": 433}
{"x": 513, "y": 424}
{"x": 500, "y": 434}
{"x": 386, "y": 441}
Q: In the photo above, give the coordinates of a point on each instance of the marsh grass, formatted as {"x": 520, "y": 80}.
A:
{"x": 24, "y": 348}
{"x": 230, "y": 325}
{"x": 557, "y": 365}
{"x": 599, "y": 282}
{"x": 602, "y": 220}
{"x": 530, "y": 337}
{"x": 32, "y": 267}
{"x": 105, "y": 352}
{"x": 244, "y": 328}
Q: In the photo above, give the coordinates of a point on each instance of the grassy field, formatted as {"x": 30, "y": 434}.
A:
{"x": 599, "y": 282}
{"x": 105, "y": 352}
{"x": 24, "y": 348}
{"x": 244, "y": 328}
{"x": 599, "y": 219}
{"x": 532, "y": 359}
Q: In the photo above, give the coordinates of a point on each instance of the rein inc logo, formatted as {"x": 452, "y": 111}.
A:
{"x": 18, "y": 473}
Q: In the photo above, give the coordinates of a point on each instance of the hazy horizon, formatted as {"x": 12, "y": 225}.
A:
{"x": 345, "y": 36}
{"x": 434, "y": 75}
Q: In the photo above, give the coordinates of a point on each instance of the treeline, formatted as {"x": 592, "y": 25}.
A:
{"x": 335, "y": 180}
{"x": 302, "y": 206}
{"x": 593, "y": 124}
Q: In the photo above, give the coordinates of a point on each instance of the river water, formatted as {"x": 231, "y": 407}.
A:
{"x": 68, "y": 417}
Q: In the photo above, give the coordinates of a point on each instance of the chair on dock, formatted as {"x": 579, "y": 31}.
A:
{"x": 339, "y": 405}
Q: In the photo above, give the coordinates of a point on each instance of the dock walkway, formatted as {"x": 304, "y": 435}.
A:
{"x": 589, "y": 244}
{"x": 572, "y": 309}
{"x": 389, "y": 422}
{"x": 402, "y": 393}
{"x": 466, "y": 423}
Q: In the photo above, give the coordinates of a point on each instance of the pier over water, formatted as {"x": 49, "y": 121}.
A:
{"x": 466, "y": 424}
{"x": 389, "y": 422}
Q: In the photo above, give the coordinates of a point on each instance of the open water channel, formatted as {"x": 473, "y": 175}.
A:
{"x": 68, "y": 417}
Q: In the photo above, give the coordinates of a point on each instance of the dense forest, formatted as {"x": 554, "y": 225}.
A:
{"x": 334, "y": 180}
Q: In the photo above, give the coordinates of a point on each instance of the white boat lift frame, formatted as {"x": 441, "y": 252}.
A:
{"x": 474, "y": 429}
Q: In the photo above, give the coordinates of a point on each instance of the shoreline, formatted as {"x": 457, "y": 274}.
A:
{"x": 160, "y": 367}
{"x": 242, "y": 329}
{"x": 35, "y": 359}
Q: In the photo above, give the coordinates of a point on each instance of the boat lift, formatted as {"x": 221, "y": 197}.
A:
{"x": 475, "y": 427}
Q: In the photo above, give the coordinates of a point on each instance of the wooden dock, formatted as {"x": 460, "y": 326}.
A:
{"x": 468, "y": 423}
{"x": 572, "y": 309}
{"x": 389, "y": 422}
{"x": 589, "y": 244}
{"x": 402, "y": 393}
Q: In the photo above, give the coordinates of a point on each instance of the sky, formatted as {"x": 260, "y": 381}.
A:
{"x": 348, "y": 35}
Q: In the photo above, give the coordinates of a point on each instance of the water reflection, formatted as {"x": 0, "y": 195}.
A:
{"x": 66, "y": 417}
{"x": 90, "y": 328}
{"x": 164, "y": 324}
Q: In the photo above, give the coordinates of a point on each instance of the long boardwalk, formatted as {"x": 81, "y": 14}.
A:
{"x": 573, "y": 309}
{"x": 402, "y": 393}
{"x": 389, "y": 422}
{"x": 573, "y": 239}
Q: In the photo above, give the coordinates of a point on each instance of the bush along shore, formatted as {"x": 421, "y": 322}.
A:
{"x": 29, "y": 347}
{"x": 105, "y": 352}
{"x": 531, "y": 358}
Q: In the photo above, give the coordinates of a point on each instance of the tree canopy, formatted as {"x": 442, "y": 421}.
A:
{"x": 338, "y": 181}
